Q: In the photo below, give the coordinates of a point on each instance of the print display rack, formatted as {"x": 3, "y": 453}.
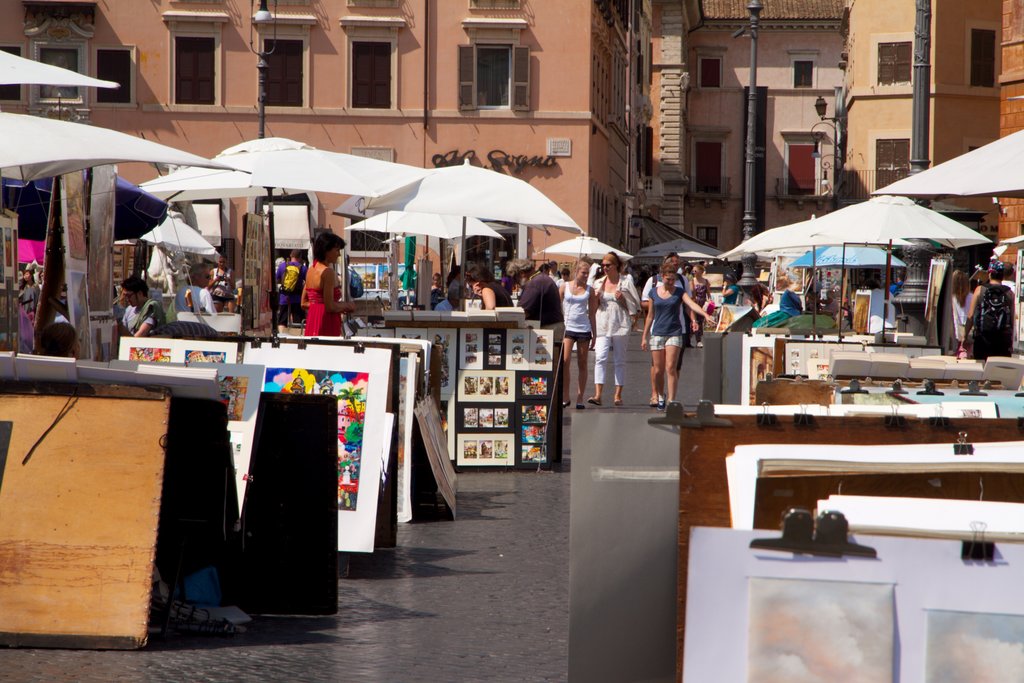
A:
{"x": 706, "y": 441}
{"x": 498, "y": 391}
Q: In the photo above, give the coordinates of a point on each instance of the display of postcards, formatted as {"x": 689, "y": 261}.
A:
{"x": 495, "y": 348}
{"x": 471, "y": 417}
{"x": 541, "y": 349}
{"x": 410, "y": 333}
{"x": 517, "y": 348}
{"x": 534, "y": 385}
{"x": 501, "y": 417}
{"x": 533, "y": 433}
{"x": 534, "y": 414}
{"x": 471, "y": 349}
{"x": 534, "y": 452}
{"x": 486, "y": 385}
{"x": 487, "y": 418}
{"x": 485, "y": 449}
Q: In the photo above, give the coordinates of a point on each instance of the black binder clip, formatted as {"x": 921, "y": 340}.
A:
{"x": 275, "y": 342}
{"x": 854, "y": 388}
{"x": 978, "y": 548}
{"x": 255, "y": 342}
{"x": 897, "y": 388}
{"x": 961, "y": 447}
{"x": 766, "y": 419}
{"x": 929, "y": 389}
{"x": 799, "y": 536}
{"x": 973, "y": 390}
{"x": 301, "y": 344}
{"x": 360, "y": 347}
{"x": 895, "y": 419}
{"x": 938, "y": 419}
{"x": 803, "y": 418}
{"x": 1020, "y": 423}
{"x": 706, "y": 415}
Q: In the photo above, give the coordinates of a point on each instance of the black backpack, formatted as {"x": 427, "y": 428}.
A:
{"x": 994, "y": 314}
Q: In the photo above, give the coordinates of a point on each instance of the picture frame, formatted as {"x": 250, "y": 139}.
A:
{"x": 471, "y": 349}
{"x": 542, "y": 345}
{"x": 485, "y": 450}
{"x": 494, "y": 349}
{"x": 533, "y": 385}
{"x": 486, "y": 386}
{"x": 446, "y": 342}
{"x": 517, "y": 349}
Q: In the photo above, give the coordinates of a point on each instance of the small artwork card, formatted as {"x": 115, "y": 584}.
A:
{"x": 207, "y": 351}
{"x": 535, "y": 453}
{"x": 495, "y": 349}
{"x": 517, "y": 347}
{"x": 410, "y": 333}
{"x": 533, "y": 433}
{"x": 471, "y": 349}
{"x": 444, "y": 341}
{"x": 534, "y": 386}
{"x": 145, "y": 350}
{"x": 501, "y": 418}
{"x": 542, "y": 343}
{"x": 471, "y": 418}
{"x": 487, "y": 418}
{"x": 486, "y": 385}
{"x": 484, "y": 450}
{"x": 534, "y": 414}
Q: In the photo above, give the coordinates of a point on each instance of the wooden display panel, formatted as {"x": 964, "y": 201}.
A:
{"x": 79, "y": 518}
{"x": 704, "y": 488}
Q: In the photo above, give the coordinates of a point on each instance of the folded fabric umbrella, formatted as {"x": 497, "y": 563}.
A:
{"x": 174, "y": 234}
{"x": 856, "y": 257}
{"x": 427, "y": 224}
{"x": 585, "y": 245}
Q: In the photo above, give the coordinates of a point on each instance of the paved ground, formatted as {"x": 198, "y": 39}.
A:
{"x": 484, "y": 598}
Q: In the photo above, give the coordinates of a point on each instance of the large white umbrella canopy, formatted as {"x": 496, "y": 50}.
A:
{"x": 879, "y": 221}
{"x": 679, "y": 246}
{"x": 428, "y": 224}
{"x": 994, "y": 170}
{"x": 15, "y": 70}
{"x": 585, "y": 245}
{"x": 37, "y": 147}
{"x": 174, "y": 234}
{"x": 287, "y": 166}
{"x": 468, "y": 190}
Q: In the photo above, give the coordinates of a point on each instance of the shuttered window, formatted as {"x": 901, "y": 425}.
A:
{"x": 710, "y": 72}
{"x": 371, "y": 75}
{"x": 494, "y": 77}
{"x": 114, "y": 65}
{"x": 983, "y": 57}
{"x": 284, "y": 73}
{"x": 803, "y": 73}
{"x": 10, "y": 92}
{"x": 707, "y": 167}
{"x": 894, "y": 63}
{"x": 801, "y": 174}
{"x": 892, "y": 161}
{"x": 194, "y": 70}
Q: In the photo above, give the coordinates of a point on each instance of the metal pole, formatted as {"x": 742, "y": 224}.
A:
{"x": 261, "y": 98}
{"x": 748, "y": 279}
{"x": 922, "y": 77}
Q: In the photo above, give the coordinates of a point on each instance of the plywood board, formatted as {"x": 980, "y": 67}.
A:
{"x": 704, "y": 490}
{"x": 78, "y": 520}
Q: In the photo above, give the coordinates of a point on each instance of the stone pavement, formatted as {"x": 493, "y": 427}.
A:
{"x": 483, "y": 598}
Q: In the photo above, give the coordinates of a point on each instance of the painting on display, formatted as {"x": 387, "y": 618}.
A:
{"x": 152, "y": 350}
{"x": 486, "y": 386}
{"x": 810, "y": 630}
{"x": 350, "y": 390}
{"x": 406, "y": 402}
{"x": 494, "y": 349}
{"x": 758, "y": 362}
{"x": 484, "y": 450}
{"x": 73, "y": 215}
{"x": 444, "y": 340}
{"x": 517, "y": 349}
{"x": 78, "y": 310}
{"x": 101, "y": 239}
{"x": 471, "y": 349}
{"x": 534, "y": 453}
{"x": 542, "y": 344}
{"x": 193, "y": 352}
{"x": 533, "y": 385}
{"x": 971, "y": 646}
{"x": 240, "y": 387}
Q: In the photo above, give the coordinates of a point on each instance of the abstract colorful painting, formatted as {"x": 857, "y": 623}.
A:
{"x": 533, "y": 452}
{"x": 149, "y": 354}
{"x": 533, "y": 433}
{"x": 350, "y": 390}
{"x": 971, "y": 646}
{"x": 535, "y": 385}
{"x": 806, "y": 630}
{"x": 233, "y": 391}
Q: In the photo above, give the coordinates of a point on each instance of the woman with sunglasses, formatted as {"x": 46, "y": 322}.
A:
{"x": 663, "y": 331}
{"x": 617, "y": 302}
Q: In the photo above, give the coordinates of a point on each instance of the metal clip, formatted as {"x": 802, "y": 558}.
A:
{"x": 938, "y": 419}
{"x": 972, "y": 389}
{"x": 854, "y": 388}
{"x": 766, "y": 419}
{"x": 895, "y": 419}
{"x": 961, "y": 447}
{"x": 897, "y": 388}
{"x": 978, "y": 548}
{"x": 803, "y": 418}
{"x": 929, "y": 389}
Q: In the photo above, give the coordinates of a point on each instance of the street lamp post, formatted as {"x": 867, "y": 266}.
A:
{"x": 749, "y": 279}
{"x": 837, "y": 124}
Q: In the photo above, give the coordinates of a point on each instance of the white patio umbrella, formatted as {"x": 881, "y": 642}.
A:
{"x": 174, "y": 234}
{"x": 15, "y": 70}
{"x": 427, "y": 224}
{"x": 585, "y": 245}
{"x": 37, "y": 147}
{"x": 994, "y": 170}
{"x": 682, "y": 246}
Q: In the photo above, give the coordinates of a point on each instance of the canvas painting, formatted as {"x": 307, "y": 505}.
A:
{"x": 101, "y": 239}
{"x": 194, "y": 351}
{"x": 534, "y": 385}
{"x": 971, "y": 646}
{"x": 445, "y": 343}
{"x": 146, "y": 351}
{"x": 535, "y": 452}
{"x": 471, "y": 348}
{"x": 350, "y": 390}
{"x": 534, "y": 413}
{"x": 193, "y": 356}
{"x": 73, "y": 205}
{"x": 407, "y": 367}
{"x": 533, "y": 433}
{"x": 807, "y": 631}
{"x": 761, "y": 362}
{"x": 517, "y": 348}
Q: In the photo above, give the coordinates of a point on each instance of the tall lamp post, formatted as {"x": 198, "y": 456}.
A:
{"x": 837, "y": 124}
{"x": 749, "y": 279}
{"x": 261, "y": 17}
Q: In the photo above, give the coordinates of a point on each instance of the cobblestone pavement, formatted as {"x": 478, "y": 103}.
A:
{"x": 484, "y": 598}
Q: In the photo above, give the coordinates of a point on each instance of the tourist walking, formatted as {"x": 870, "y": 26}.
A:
{"x": 321, "y": 297}
{"x": 579, "y": 306}
{"x": 291, "y": 275}
{"x": 701, "y": 296}
{"x": 991, "y": 316}
{"x": 617, "y": 302}
{"x": 961, "y": 303}
{"x": 663, "y": 331}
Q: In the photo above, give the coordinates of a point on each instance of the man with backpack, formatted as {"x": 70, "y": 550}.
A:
{"x": 291, "y": 278}
{"x": 991, "y": 316}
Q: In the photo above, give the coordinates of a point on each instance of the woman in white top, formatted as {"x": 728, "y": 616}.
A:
{"x": 579, "y": 305}
{"x": 617, "y": 302}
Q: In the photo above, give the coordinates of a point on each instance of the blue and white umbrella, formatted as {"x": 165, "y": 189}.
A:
{"x": 856, "y": 257}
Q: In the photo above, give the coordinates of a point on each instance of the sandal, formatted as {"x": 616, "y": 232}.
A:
{"x": 617, "y": 402}
{"x": 653, "y": 404}
{"x": 580, "y": 406}
{"x": 594, "y": 401}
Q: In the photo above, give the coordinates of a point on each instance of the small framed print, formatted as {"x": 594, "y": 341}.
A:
{"x": 536, "y": 453}
{"x": 534, "y": 385}
{"x": 494, "y": 351}
{"x": 471, "y": 349}
{"x": 485, "y": 450}
{"x": 146, "y": 350}
{"x": 534, "y": 414}
{"x": 517, "y": 349}
{"x": 410, "y": 333}
{"x": 487, "y": 418}
{"x": 445, "y": 340}
{"x": 533, "y": 433}
{"x": 486, "y": 386}
{"x": 471, "y": 418}
{"x": 501, "y": 418}
{"x": 542, "y": 344}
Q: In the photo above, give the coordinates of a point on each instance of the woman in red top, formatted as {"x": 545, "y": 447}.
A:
{"x": 323, "y": 316}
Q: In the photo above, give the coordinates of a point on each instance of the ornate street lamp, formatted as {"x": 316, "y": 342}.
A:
{"x": 749, "y": 279}
{"x": 262, "y": 17}
{"x": 838, "y": 125}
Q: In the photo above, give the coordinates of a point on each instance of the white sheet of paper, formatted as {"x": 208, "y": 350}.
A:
{"x": 953, "y": 518}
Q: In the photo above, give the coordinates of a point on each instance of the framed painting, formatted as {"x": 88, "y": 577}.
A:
{"x": 484, "y": 450}
{"x": 486, "y": 386}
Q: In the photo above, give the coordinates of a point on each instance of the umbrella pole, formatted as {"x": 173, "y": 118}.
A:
{"x": 842, "y": 292}
{"x": 462, "y": 271}
{"x": 885, "y": 306}
{"x": 817, "y": 292}
{"x": 271, "y": 288}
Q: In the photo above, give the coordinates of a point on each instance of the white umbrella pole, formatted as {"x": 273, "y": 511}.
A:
{"x": 842, "y": 293}
{"x": 817, "y": 291}
{"x": 462, "y": 266}
{"x": 885, "y": 306}
{"x": 271, "y": 285}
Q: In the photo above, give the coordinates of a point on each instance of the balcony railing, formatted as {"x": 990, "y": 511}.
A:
{"x": 713, "y": 187}
{"x": 785, "y": 188}
{"x": 857, "y": 186}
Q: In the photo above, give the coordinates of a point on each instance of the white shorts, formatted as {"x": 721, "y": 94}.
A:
{"x": 658, "y": 343}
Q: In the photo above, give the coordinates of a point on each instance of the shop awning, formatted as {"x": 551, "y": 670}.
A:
{"x": 208, "y": 218}
{"x": 291, "y": 226}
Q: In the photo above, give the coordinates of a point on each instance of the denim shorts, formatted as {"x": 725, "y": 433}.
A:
{"x": 579, "y": 336}
{"x": 658, "y": 343}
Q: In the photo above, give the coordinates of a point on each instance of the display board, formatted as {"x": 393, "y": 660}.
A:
{"x": 76, "y": 257}
{"x": 257, "y": 279}
{"x": 9, "y": 278}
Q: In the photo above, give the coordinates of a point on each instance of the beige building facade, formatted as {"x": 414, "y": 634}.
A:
{"x": 1011, "y": 105}
{"x": 547, "y": 91}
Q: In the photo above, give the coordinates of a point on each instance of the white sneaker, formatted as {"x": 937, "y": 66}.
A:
{"x": 700, "y": 345}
